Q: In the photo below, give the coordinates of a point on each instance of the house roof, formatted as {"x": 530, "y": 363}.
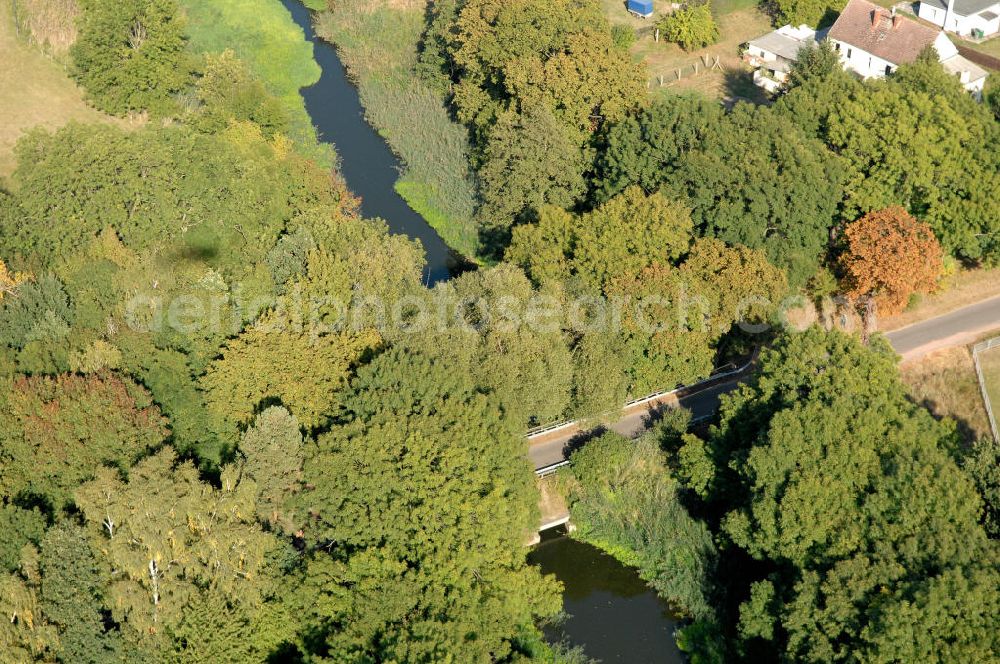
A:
{"x": 963, "y": 7}
{"x": 784, "y": 42}
{"x": 873, "y": 29}
{"x": 956, "y": 64}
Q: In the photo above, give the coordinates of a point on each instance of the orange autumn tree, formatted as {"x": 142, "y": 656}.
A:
{"x": 890, "y": 256}
{"x": 9, "y": 281}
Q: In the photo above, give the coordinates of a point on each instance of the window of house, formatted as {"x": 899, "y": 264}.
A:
{"x": 888, "y": 69}
{"x": 849, "y": 52}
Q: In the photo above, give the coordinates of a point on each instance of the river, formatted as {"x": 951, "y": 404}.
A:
{"x": 367, "y": 164}
{"x": 614, "y": 615}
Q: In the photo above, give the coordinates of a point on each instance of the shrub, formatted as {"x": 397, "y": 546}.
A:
{"x": 626, "y": 503}
{"x": 622, "y": 36}
{"x": 691, "y": 27}
{"x": 274, "y": 49}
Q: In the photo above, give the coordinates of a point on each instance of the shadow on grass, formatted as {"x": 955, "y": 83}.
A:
{"x": 738, "y": 86}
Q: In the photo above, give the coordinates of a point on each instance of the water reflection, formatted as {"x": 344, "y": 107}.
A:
{"x": 614, "y": 615}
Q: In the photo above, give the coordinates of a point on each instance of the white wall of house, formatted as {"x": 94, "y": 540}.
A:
{"x": 870, "y": 66}
{"x": 931, "y": 13}
{"x": 944, "y": 46}
{"x": 862, "y": 62}
{"x": 760, "y": 53}
{"x": 988, "y": 27}
{"x": 769, "y": 79}
{"x": 963, "y": 25}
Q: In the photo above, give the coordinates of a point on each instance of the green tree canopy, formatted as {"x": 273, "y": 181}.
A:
{"x": 813, "y": 62}
{"x": 528, "y": 161}
{"x": 228, "y": 91}
{"x": 222, "y": 199}
{"x": 129, "y": 55}
{"x": 25, "y": 635}
{"x": 624, "y": 235}
{"x": 807, "y": 12}
{"x": 171, "y": 538}
{"x": 917, "y": 140}
{"x": 422, "y": 497}
{"x": 849, "y": 496}
{"x": 673, "y": 317}
{"x": 509, "y": 339}
{"x": 760, "y": 183}
{"x": 273, "y": 454}
{"x": 287, "y": 361}
{"x": 750, "y": 176}
{"x": 72, "y": 597}
{"x": 691, "y": 26}
{"x": 643, "y": 147}
{"x": 560, "y": 54}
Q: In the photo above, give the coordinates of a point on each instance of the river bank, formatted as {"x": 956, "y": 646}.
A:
{"x": 366, "y": 162}
{"x": 379, "y": 48}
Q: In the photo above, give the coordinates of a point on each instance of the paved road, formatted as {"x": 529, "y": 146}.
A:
{"x": 551, "y": 448}
{"x": 959, "y": 327}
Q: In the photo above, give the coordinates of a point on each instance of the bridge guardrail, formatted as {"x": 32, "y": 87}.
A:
{"x": 545, "y": 471}
{"x": 715, "y": 375}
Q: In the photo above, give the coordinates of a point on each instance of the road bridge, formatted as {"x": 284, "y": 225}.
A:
{"x": 549, "y": 448}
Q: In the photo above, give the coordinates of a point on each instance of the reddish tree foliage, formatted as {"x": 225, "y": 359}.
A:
{"x": 56, "y": 431}
{"x": 889, "y": 257}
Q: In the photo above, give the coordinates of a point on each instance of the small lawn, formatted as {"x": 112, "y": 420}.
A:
{"x": 739, "y": 21}
{"x": 34, "y": 92}
{"x": 990, "y": 364}
{"x": 945, "y": 382}
{"x": 989, "y": 47}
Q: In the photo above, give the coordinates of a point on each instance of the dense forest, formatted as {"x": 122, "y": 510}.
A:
{"x": 237, "y": 426}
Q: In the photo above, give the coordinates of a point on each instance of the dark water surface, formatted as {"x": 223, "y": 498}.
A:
{"x": 368, "y": 165}
{"x": 614, "y": 615}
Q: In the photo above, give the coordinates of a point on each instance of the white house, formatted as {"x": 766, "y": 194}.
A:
{"x": 873, "y": 42}
{"x": 976, "y": 18}
{"x": 772, "y": 55}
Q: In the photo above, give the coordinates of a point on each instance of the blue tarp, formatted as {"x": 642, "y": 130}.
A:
{"x": 641, "y": 7}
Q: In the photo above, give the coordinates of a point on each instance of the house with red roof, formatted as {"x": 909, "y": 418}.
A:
{"x": 873, "y": 41}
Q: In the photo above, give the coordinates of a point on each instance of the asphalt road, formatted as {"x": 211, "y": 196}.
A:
{"x": 553, "y": 448}
{"x": 961, "y": 326}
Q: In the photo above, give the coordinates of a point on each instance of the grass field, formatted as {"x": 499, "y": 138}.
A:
{"x": 263, "y": 35}
{"x": 989, "y": 362}
{"x": 989, "y": 47}
{"x": 34, "y": 92}
{"x": 945, "y": 382}
{"x": 739, "y": 21}
{"x": 378, "y": 45}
